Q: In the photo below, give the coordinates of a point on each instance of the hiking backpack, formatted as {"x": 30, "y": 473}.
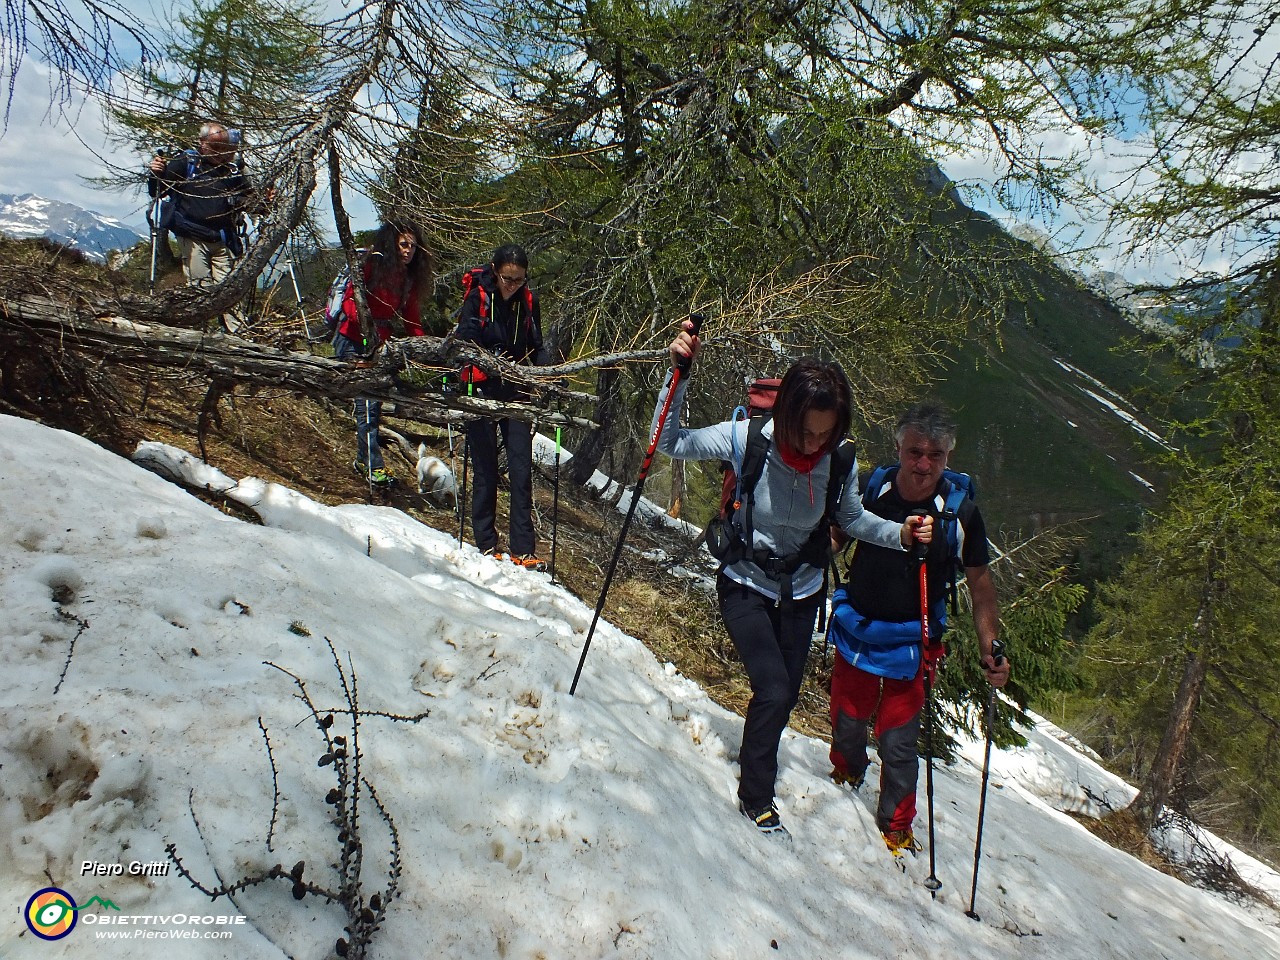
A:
{"x": 471, "y": 278}
{"x": 170, "y": 216}
{"x": 761, "y": 394}
{"x": 192, "y": 156}
{"x": 166, "y": 210}
{"x": 957, "y": 487}
{"x": 333, "y": 300}
{"x": 337, "y": 293}
{"x": 738, "y": 492}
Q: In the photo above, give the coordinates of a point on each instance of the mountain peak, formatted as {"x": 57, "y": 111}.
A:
{"x": 24, "y": 216}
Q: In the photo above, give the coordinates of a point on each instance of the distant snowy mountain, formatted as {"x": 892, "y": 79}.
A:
{"x": 26, "y": 216}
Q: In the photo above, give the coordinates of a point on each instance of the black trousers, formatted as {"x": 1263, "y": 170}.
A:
{"x": 773, "y": 644}
{"x": 482, "y": 446}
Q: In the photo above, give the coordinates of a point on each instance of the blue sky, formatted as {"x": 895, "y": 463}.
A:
{"x": 51, "y": 155}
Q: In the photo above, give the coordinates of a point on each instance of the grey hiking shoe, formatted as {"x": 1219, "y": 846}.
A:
{"x": 766, "y": 819}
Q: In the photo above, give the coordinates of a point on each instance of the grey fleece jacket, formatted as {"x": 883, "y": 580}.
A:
{"x": 788, "y": 504}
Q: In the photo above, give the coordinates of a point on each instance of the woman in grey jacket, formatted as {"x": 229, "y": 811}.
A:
{"x": 771, "y": 630}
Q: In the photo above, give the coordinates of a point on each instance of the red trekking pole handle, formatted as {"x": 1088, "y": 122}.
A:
{"x": 684, "y": 363}
{"x": 920, "y": 552}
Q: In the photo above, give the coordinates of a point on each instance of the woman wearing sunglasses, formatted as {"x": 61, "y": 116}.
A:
{"x": 501, "y": 314}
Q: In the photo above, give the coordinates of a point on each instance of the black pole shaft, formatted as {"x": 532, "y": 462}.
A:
{"x": 466, "y": 462}
{"x": 997, "y": 654}
{"x": 680, "y": 370}
{"x": 462, "y": 497}
{"x": 555, "y": 506}
{"x": 626, "y": 523}
{"x": 931, "y": 882}
{"x": 982, "y": 804}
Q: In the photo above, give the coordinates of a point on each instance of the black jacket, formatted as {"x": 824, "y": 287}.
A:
{"x": 885, "y": 584}
{"x": 206, "y": 199}
{"x": 511, "y": 329}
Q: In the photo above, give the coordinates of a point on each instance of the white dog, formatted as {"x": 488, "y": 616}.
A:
{"x": 435, "y": 479}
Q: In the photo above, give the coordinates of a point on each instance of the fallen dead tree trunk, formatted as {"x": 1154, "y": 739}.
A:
{"x": 404, "y": 372}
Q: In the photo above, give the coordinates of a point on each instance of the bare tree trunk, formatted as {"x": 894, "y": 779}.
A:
{"x": 1162, "y": 778}
{"x": 676, "y": 502}
{"x": 88, "y": 328}
{"x": 592, "y": 451}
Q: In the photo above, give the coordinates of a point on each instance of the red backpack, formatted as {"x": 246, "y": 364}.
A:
{"x": 760, "y": 397}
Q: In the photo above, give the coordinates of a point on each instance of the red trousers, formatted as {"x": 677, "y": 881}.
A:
{"x": 856, "y": 697}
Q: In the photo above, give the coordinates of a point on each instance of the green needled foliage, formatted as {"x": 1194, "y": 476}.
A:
{"x": 700, "y": 155}
{"x": 243, "y": 63}
{"x": 1183, "y": 655}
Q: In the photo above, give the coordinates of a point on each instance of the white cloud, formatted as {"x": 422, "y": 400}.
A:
{"x": 51, "y": 153}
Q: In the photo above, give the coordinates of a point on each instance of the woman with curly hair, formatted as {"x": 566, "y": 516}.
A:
{"x": 398, "y": 274}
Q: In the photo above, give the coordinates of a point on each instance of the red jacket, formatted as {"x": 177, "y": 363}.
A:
{"x": 384, "y": 303}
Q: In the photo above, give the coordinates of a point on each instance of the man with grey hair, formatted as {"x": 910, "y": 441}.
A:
{"x": 205, "y": 196}
{"x": 882, "y": 666}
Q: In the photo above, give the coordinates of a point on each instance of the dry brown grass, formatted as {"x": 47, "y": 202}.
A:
{"x": 1122, "y": 830}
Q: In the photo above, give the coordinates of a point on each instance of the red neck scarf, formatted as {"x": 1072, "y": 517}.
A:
{"x": 799, "y": 462}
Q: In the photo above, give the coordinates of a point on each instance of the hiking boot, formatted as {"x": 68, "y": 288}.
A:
{"x": 528, "y": 561}
{"x": 840, "y": 779}
{"x": 380, "y": 477}
{"x": 766, "y": 819}
{"x": 901, "y": 842}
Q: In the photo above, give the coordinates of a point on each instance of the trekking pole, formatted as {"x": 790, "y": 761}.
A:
{"x": 453, "y": 467}
{"x": 155, "y": 238}
{"x": 368, "y": 449}
{"x": 466, "y": 461}
{"x": 681, "y": 370}
{"x": 831, "y": 614}
{"x": 921, "y": 550}
{"x": 291, "y": 255}
{"x": 555, "y": 506}
{"x": 997, "y": 656}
